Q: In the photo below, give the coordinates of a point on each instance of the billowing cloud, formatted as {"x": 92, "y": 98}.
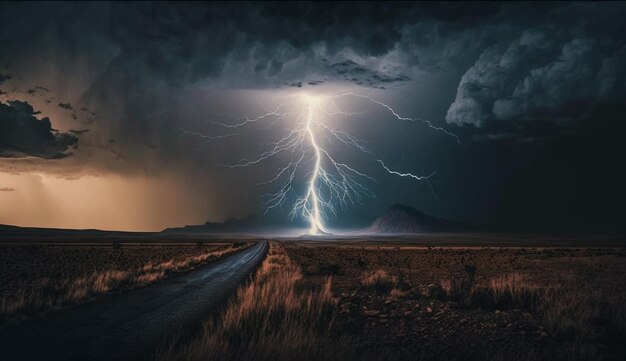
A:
{"x": 352, "y": 72}
{"x": 23, "y": 134}
{"x": 546, "y": 73}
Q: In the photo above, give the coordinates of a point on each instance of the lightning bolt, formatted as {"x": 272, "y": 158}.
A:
{"x": 399, "y": 117}
{"x": 331, "y": 186}
{"x": 314, "y": 215}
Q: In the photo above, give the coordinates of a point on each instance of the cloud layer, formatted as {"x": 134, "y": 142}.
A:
{"x": 23, "y": 134}
{"x": 546, "y": 73}
{"x": 515, "y": 81}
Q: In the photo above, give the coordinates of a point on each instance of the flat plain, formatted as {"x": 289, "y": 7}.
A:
{"x": 38, "y": 278}
{"x": 463, "y": 302}
{"x": 428, "y": 297}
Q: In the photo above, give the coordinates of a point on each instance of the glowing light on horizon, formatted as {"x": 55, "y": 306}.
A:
{"x": 330, "y": 185}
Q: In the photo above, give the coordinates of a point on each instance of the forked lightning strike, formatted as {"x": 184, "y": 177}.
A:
{"x": 331, "y": 186}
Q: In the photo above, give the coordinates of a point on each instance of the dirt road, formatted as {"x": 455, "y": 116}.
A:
{"x": 132, "y": 325}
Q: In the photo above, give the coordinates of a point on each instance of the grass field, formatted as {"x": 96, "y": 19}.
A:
{"x": 372, "y": 300}
{"x": 36, "y": 279}
{"x": 315, "y": 301}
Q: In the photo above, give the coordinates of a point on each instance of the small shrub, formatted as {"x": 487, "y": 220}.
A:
{"x": 459, "y": 290}
{"x": 397, "y": 293}
{"x": 506, "y": 292}
{"x": 378, "y": 280}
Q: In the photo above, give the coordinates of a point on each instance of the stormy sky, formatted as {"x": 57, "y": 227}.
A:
{"x": 110, "y": 113}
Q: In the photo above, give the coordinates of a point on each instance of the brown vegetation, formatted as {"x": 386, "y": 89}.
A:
{"x": 270, "y": 318}
{"x": 378, "y": 280}
{"x": 480, "y": 303}
{"x": 36, "y": 279}
{"x": 506, "y": 291}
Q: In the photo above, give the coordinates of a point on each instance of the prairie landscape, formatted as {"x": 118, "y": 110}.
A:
{"x": 39, "y": 278}
{"x": 374, "y": 298}
{"x": 311, "y": 181}
{"x": 317, "y": 300}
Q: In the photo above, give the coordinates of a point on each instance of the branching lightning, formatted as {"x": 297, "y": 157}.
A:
{"x": 331, "y": 185}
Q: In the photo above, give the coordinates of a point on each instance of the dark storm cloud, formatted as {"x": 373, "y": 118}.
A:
{"x": 351, "y": 71}
{"x": 66, "y": 106}
{"x": 520, "y": 78}
{"x": 526, "y": 62}
{"x": 88, "y": 111}
{"x": 22, "y": 134}
{"x": 519, "y": 61}
{"x": 185, "y": 44}
{"x": 37, "y": 89}
{"x": 78, "y": 131}
{"x": 555, "y": 72}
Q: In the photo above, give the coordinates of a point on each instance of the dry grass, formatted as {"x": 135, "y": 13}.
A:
{"x": 581, "y": 317}
{"x": 512, "y": 304}
{"x": 271, "y": 318}
{"x": 379, "y": 280}
{"x": 507, "y": 291}
{"x": 44, "y": 294}
{"x": 584, "y": 318}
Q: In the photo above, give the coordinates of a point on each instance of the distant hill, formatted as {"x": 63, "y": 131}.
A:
{"x": 400, "y": 219}
{"x": 10, "y": 233}
{"x": 232, "y": 225}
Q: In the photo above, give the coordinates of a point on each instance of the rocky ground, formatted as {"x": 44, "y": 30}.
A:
{"x": 439, "y": 330}
{"x": 562, "y": 303}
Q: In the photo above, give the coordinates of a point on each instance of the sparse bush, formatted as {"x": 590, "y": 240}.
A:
{"x": 459, "y": 290}
{"x": 506, "y": 292}
{"x": 378, "y": 280}
{"x": 447, "y": 287}
{"x": 398, "y": 293}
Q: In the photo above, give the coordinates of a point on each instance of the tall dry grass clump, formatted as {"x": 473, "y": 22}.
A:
{"x": 45, "y": 295}
{"x": 511, "y": 290}
{"x": 379, "y": 280}
{"x": 507, "y": 291}
{"x": 270, "y": 318}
